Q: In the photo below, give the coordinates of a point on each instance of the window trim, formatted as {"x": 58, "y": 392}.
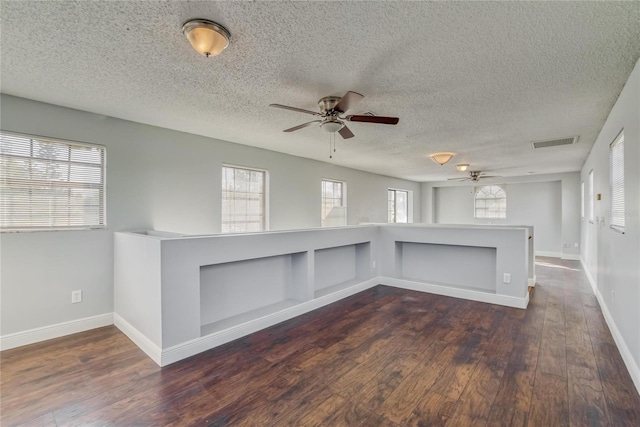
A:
{"x": 265, "y": 201}
{"x": 475, "y": 199}
{"x": 102, "y": 185}
{"x": 591, "y": 197}
{"x": 344, "y": 200}
{"x": 618, "y": 140}
{"x": 395, "y": 204}
{"x": 582, "y": 199}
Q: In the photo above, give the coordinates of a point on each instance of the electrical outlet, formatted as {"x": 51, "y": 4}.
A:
{"x": 613, "y": 294}
{"x": 506, "y": 278}
{"x": 374, "y": 264}
{"x": 76, "y": 296}
{"x": 576, "y": 245}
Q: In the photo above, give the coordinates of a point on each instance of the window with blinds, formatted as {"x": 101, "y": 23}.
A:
{"x": 616, "y": 182}
{"x": 490, "y": 202}
{"x": 334, "y": 209}
{"x": 243, "y": 200}
{"x": 591, "y": 198}
{"x": 50, "y": 184}
{"x": 398, "y": 206}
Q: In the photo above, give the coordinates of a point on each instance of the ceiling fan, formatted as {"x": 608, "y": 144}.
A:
{"x": 331, "y": 116}
{"x": 475, "y": 176}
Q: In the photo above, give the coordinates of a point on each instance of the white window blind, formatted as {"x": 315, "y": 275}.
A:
{"x": 398, "y": 206}
{"x": 490, "y": 202}
{"x": 591, "y": 198}
{"x": 243, "y": 200}
{"x": 50, "y": 184}
{"x": 616, "y": 181}
{"x": 334, "y": 210}
{"x": 582, "y": 199}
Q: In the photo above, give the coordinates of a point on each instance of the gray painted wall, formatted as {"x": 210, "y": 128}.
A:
{"x": 537, "y": 203}
{"x": 156, "y": 179}
{"x": 549, "y": 202}
{"x": 611, "y": 258}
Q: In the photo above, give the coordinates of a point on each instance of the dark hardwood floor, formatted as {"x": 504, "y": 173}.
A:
{"x": 384, "y": 357}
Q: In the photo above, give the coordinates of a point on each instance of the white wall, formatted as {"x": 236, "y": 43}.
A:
{"x": 528, "y": 203}
{"x": 160, "y": 179}
{"x": 611, "y": 258}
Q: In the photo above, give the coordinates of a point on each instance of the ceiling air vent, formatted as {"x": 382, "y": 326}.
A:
{"x": 555, "y": 142}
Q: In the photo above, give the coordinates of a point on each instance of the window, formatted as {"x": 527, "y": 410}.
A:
{"x": 398, "y": 206}
{"x": 490, "y": 202}
{"x": 243, "y": 200}
{"x": 582, "y": 199}
{"x": 616, "y": 181}
{"x": 334, "y": 210}
{"x": 591, "y": 197}
{"x": 50, "y": 184}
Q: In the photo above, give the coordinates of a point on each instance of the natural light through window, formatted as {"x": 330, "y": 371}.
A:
{"x": 582, "y": 199}
{"x": 616, "y": 181}
{"x": 334, "y": 210}
{"x": 243, "y": 200}
{"x": 50, "y": 184}
{"x": 591, "y": 197}
{"x": 490, "y": 202}
{"x": 398, "y": 206}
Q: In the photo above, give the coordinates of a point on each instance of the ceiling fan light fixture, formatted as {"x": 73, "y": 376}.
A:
{"x": 208, "y": 38}
{"x": 462, "y": 167}
{"x": 441, "y": 158}
{"x": 331, "y": 126}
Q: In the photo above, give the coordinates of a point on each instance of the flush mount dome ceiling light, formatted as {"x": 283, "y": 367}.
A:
{"x": 441, "y": 158}
{"x": 206, "y": 37}
{"x": 462, "y": 167}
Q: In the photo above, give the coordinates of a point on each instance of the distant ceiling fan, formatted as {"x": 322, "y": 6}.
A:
{"x": 475, "y": 176}
{"x": 331, "y": 116}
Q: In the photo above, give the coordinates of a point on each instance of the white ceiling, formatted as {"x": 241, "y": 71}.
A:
{"x": 482, "y": 79}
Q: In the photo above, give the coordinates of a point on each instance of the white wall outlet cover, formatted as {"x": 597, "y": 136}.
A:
{"x": 506, "y": 278}
{"x": 76, "y": 296}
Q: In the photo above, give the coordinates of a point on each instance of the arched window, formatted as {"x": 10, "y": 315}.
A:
{"x": 490, "y": 202}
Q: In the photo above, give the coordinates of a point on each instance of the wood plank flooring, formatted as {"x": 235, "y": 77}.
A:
{"x": 384, "y": 357}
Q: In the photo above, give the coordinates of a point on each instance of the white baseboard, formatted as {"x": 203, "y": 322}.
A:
{"x": 138, "y": 338}
{"x": 198, "y": 345}
{"x": 44, "y": 333}
{"x": 549, "y": 254}
{"x": 627, "y": 357}
{"x": 532, "y": 282}
{"x": 572, "y": 257}
{"x": 467, "y": 294}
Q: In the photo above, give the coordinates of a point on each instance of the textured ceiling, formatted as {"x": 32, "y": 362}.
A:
{"x": 482, "y": 79}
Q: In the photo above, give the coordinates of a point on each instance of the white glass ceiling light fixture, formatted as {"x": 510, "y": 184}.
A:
{"x": 462, "y": 167}
{"x": 331, "y": 126}
{"x": 441, "y": 158}
{"x": 206, "y": 37}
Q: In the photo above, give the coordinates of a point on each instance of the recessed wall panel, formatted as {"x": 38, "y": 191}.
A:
{"x": 465, "y": 266}
{"x": 233, "y": 288}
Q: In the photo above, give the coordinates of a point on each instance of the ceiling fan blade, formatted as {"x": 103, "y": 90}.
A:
{"x": 348, "y": 101}
{"x": 490, "y": 176}
{"x": 345, "y": 132}
{"x": 374, "y": 119}
{"x": 304, "y": 125}
{"x": 458, "y": 179}
{"x": 299, "y": 110}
